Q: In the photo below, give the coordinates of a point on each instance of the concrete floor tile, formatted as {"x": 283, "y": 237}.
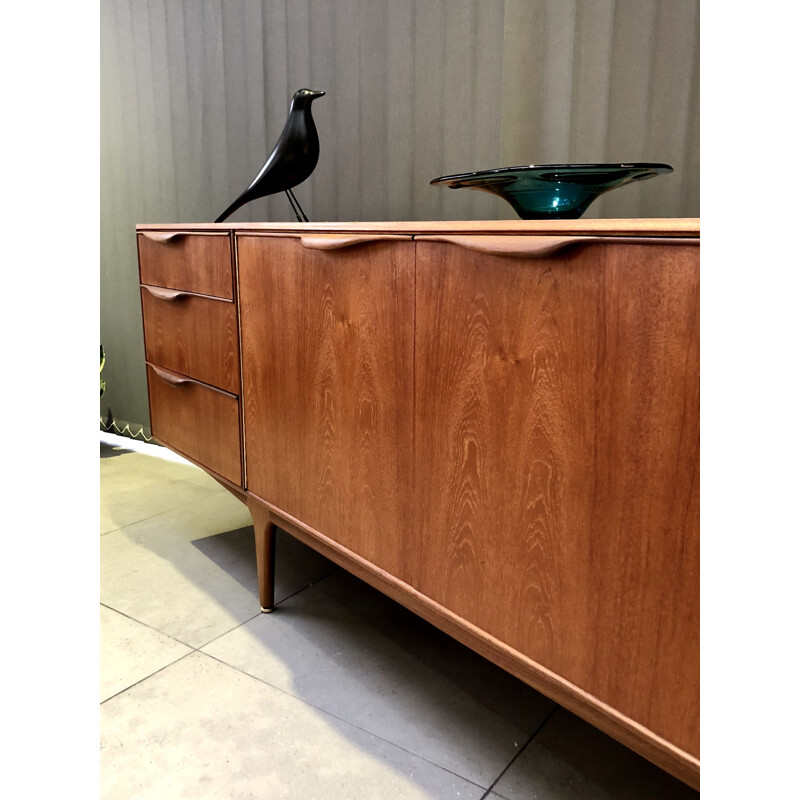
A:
{"x": 134, "y": 486}
{"x": 201, "y": 729}
{"x": 191, "y": 572}
{"x": 130, "y": 652}
{"x": 153, "y": 460}
{"x": 345, "y": 648}
{"x": 572, "y": 760}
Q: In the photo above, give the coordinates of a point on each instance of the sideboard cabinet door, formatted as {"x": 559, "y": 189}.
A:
{"x": 327, "y": 353}
{"x": 557, "y": 452}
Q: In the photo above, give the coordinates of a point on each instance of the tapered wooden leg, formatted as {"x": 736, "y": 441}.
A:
{"x": 265, "y": 554}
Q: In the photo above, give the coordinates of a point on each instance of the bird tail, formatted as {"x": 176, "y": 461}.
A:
{"x": 236, "y": 204}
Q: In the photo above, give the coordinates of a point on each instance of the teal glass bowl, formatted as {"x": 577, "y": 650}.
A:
{"x": 552, "y": 191}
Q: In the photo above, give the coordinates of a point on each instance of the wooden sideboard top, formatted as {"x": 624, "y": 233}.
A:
{"x": 680, "y": 227}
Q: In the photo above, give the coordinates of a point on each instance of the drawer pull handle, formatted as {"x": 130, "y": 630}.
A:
{"x": 514, "y": 246}
{"x": 170, "y": 377}
{"x": 165, "y": 294}
{"x": 322, "y": 242}
{"x": 163, "y": 237}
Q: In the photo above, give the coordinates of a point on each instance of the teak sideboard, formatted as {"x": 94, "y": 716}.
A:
{"x": 494, "y": 423}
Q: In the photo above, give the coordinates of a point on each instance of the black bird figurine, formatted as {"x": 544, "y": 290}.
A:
{"x": 291, "y": 161}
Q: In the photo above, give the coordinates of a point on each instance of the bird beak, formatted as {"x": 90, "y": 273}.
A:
{"x": 314, "y": 93}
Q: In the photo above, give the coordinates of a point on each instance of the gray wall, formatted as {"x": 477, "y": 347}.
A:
{"x": 194, "y": 93}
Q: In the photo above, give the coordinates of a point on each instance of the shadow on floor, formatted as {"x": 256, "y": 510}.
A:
{"x": 351, "y": 651}
{"x": 234, "y": 552}
{"x": 110, "y": 450}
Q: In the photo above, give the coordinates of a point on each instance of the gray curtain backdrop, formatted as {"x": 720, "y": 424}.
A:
{"x": 194, "y": 93}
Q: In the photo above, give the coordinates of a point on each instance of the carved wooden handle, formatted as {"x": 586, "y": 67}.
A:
{"x": 165, "y": 294}
{"x": 335, "y": 242}
{"x": 515, "y": 246}
{"x": 170, "y": 377}
{"x": 163, "y": 237}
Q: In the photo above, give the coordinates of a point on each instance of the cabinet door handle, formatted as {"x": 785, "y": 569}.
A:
{"x": 335, "y": 242}
{"x": 163, "y": 237}
{"x": 170, "y": 377}
{"x": 165, "y": 294}
{"x": 514, "y": 246}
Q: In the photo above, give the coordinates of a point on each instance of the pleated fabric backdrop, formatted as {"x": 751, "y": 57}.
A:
{"x": 194, "y": 93}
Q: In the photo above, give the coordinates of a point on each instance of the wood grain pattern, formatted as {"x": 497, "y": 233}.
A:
{"x": 199, "y": 263}
{"x": 198, "y": 421}
{"x": 195, "y": 335}
{"x": 327, "y": 340}
{"x": 557, "y": 486}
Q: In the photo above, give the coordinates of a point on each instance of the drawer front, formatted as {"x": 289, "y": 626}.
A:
{"x": 197, "y": 420}
{"x": 197, "y": 262}
{"x": 192, "y": 335}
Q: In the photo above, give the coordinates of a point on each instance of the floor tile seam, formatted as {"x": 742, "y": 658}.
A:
{"x": 307, "y": 586}
{"x": 258, "y": 614}
{"x": 349, "y": 722}
{"x": 236, "y": 627}
{"x": 199, "y": 648}
{"x": 210, "y": 493}
{"x": 203, "y": 479}
{"x": 492, "y": 793}
{"x": 148, "y": 676}
{"x": 519, "y": 753}
{"x": 215, "y": 489}
{"x": 150, "y": 627}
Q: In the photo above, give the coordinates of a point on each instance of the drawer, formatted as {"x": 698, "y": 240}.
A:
{"x": 194, "y": 262}
{"x": 197, "y": 420}
{"x": 193, "y": 335}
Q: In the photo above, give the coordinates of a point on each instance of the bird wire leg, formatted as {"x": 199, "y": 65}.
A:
{"x": 296, "y": 206}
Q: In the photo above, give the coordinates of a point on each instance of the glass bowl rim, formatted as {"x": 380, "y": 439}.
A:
{"x": 656, "y": 167}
